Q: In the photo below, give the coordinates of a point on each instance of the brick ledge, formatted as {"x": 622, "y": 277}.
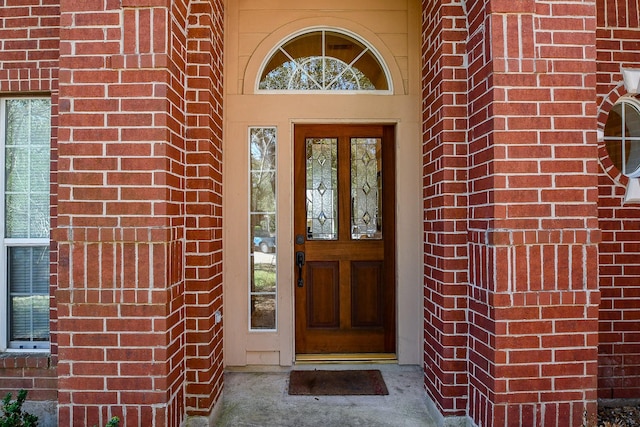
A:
{"x": 10, "y": 360}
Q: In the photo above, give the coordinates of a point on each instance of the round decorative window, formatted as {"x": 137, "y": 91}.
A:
{"x": 622, "y": 137}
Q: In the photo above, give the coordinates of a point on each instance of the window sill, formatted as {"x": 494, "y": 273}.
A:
{"x": 18, "y": 360}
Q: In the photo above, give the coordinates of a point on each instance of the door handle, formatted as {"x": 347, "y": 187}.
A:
{"x": 300, "y": 264}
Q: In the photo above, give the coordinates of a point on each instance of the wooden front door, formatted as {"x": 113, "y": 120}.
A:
{"x": 344, "y": 239}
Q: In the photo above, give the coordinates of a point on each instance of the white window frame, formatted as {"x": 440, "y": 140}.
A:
{"x": 5, "y": 243}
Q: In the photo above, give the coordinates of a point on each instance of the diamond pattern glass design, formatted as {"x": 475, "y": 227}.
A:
{"x": 366, "y": 188}
{"x": 322, "y": 188}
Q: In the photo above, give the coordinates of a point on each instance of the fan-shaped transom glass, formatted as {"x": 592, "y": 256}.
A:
{"x": 622, "y": 137}
{"x": 324, "y": 60}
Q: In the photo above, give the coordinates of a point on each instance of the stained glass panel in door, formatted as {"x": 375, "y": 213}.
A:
{"x": 322, "y": 188}
{"x": 366, "y": 188}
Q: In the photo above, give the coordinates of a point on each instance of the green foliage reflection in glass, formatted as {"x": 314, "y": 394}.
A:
{"x": 27, "y": 157}
{"x": 323, "y": 61}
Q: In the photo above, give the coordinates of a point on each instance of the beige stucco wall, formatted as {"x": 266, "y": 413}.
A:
{"x": 254, "y": 28}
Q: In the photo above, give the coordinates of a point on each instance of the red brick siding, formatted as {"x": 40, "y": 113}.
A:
{"x": 204, "y": 206}
{"x": 532, "y": 178}
{"x": 123, "y": 206}
{"x": 32, "y": 372}
{"x": 445, "y": 205}
{"x": 618, "y": 45}
{"x": 29, "y": 51}
{"x": 121, "y": 212}
{"x": 140, "y": 215}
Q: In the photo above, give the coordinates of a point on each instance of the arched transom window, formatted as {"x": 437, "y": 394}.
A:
{"x": 324, "y": 60}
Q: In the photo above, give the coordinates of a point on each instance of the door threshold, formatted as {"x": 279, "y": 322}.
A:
{"x": 346, "y": 358}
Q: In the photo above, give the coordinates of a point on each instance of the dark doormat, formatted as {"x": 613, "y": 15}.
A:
{"x": 337, "y": 383}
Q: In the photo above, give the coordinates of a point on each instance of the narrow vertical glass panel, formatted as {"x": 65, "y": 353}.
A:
{"x": 27, "y": 158}
{"x": 39, "y": 215}
{"x": 632, "y": 140}
{"x": 264, "y": 274}
{"x": 632, "y": 168}
{"x": 370, "y": 74}
{"x": 613, "y": 136}
{"x": 263, "y": 311}
{"x": 339, "y": 76}
{"x": 342, "y": 47}
{"x": 262, "y": 223}
{"x": 304, "y": 46}
{"x": 322, "y": 188}
{"x": 366, "y": 188}
{"x": 622, "y": 138}
{"x": 308, "y": 75}
{"x": 28, "y": 276}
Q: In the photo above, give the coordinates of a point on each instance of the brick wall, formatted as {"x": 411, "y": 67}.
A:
{"x": 204, "y": 206}
{"x": 532, "y": 229}
{"x": 533, "y": 219}
{"x": 618, "y": 44}
{"x": 445, "y": 205}
{"x": 32, "y": 372}
{"x": 133, "y": 267}
{"x": 140, "y": 207}
{"x": 121, "y": 229}
{"x": 29, "y": 50}
{"x": 139, "y": 211}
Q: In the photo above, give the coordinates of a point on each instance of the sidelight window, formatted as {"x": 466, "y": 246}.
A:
{"x": 262, "y": 219}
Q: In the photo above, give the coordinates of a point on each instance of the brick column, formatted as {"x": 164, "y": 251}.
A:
{"x": 533, "y": 230}
{"x": 619, "y": 251}
{"x": 445, "y": 205}
{"x": 28, "y": 65}
{"x": 121, "y": 212}
{"x": 204, "y": 206}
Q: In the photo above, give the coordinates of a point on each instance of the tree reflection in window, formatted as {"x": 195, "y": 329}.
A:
{"x": 324, "y": 61}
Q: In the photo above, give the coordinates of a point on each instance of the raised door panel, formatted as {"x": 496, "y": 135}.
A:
{"x": 367, "y": 302}
{"x": 323, "y": 294}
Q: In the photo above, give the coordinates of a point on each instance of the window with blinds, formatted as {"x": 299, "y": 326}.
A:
{"x": 26, "y": 140}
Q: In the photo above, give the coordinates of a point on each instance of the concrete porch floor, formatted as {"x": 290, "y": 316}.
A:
{"x": 261, "y": 399}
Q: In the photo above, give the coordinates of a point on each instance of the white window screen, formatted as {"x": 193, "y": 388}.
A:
{"x": 27, "y": 145}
